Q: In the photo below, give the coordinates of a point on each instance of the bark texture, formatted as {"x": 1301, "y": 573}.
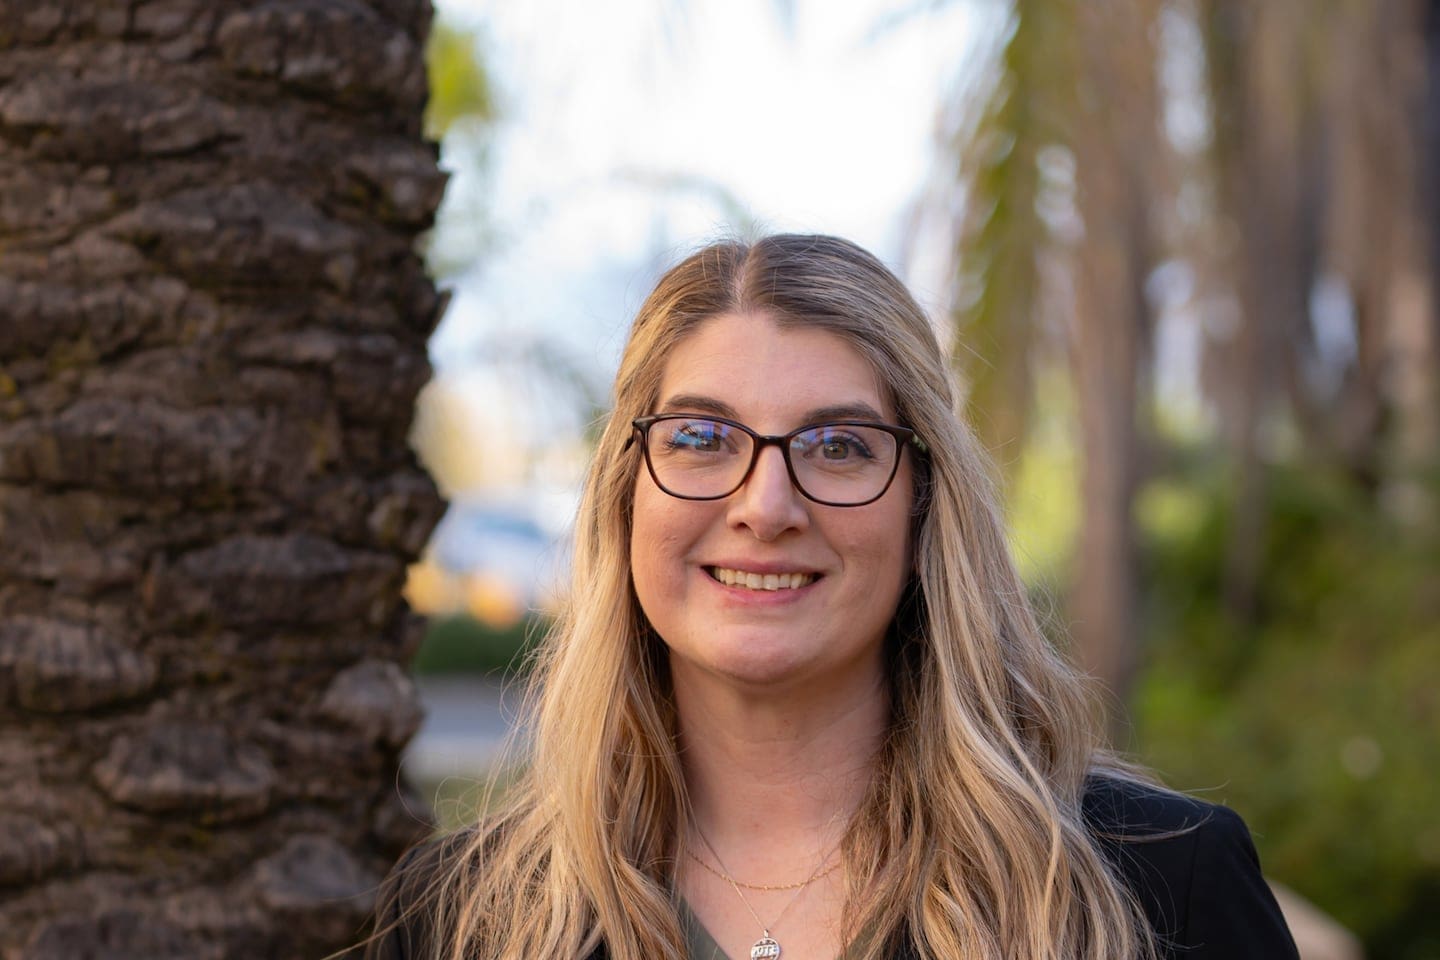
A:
{"x": 212, "y": 330}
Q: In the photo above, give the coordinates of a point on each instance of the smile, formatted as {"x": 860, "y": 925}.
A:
{"x": 760, "y": 581}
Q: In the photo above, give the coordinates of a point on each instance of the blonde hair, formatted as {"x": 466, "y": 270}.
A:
{"x": 970, "y": 841}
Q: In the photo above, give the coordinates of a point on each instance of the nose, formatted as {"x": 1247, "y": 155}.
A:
{"x": 767, "y": 503}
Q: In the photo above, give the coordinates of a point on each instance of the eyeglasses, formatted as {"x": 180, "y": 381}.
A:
{"x": 847, "y": 463}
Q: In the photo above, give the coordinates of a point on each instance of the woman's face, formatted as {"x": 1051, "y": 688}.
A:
{"x": 855, "y": 560}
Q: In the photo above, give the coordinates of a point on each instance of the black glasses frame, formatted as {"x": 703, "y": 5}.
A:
{"x": 903, "y": 436}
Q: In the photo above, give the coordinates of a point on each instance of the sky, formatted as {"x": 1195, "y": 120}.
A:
{"x": 632, "y": 131}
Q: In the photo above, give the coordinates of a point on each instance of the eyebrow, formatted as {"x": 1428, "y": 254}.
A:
{"x": 857, "y": 410}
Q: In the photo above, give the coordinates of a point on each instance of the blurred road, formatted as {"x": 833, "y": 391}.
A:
{"x": 466, "y": 723}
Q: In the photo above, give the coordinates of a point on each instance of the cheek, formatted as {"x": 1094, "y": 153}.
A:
{"x": 657, "y": 539}
{"x": 898, "y": 560}
{"x": 642, "y": 539}
{"x": 885, "y": 557}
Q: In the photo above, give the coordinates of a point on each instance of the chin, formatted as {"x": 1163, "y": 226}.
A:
{"x": 778, "y": 664}
{"x": 750, "y": 661}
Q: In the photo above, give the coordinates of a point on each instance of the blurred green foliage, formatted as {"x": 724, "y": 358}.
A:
{"x": 1042, "y": 514}
{"x": 460, "y": 644}
{"x": 1319, "y": 718}
{"x": 460, "y": 89}
{"x": 462, "y": 114}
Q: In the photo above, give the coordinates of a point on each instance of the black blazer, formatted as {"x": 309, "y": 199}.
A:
{"x": 1193, "y": 868}
{"x": 1190, "y": 864}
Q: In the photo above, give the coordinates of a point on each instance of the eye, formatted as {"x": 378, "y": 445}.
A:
{"x": 841, "y": 448}
{"x": 696, "y": 436}
{"x": 835, "y": 446}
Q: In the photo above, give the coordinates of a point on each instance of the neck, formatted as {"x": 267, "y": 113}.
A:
{"x": 775, "y": 777}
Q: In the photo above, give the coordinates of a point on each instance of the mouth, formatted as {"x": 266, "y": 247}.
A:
{"x": 761, "y": 581}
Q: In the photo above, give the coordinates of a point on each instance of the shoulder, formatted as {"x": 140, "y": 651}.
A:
{"x": 1133, "y": 809}
{"x": 1192, "y": 867}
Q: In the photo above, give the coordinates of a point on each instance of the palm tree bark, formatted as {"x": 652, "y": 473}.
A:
{"x": 214, "y": 329}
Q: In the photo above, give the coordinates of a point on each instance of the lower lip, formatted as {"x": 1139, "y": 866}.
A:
{"x": 760, "y": 598}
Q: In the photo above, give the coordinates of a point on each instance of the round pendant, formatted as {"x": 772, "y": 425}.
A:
{"x": 765, "y": 949}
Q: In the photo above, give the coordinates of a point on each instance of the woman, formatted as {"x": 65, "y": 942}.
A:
{"x": 798, "y": 701}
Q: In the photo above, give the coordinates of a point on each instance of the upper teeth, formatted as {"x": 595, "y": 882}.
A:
{"x": 762, "y": 581}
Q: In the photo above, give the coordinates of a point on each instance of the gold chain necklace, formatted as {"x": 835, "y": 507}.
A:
{"x": 763, "y": 886}
{"x": 767, "y": 947}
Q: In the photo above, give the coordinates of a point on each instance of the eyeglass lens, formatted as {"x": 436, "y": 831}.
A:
{"x": 836, "y": 463}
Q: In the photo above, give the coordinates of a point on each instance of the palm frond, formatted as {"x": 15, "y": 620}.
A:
{"x": 1000, "y": 235}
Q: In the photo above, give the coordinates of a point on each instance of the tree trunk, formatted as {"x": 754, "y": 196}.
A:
{"x": 213, "y": 330}
{"x": 1429, "y": 14}
{"x": 1117, "y": 145}
{"x": 1402, "y": 183}
{"x": 1318, "y": 115}
{"x": 1267, "y": 177}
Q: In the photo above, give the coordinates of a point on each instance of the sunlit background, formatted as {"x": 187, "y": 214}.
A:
{"x": 1184, "y": 250}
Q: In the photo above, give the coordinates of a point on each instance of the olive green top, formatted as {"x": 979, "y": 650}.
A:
{"x": 699, "y": 945}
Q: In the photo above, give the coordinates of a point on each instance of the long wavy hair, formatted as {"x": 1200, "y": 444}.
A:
{"x": 970, "y": 840}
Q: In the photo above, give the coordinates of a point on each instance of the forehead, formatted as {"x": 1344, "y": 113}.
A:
{"x": 773, "y": 377}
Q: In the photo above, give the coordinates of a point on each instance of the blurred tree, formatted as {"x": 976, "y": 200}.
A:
{"x": 215, "y": 330}
{"x": 461, "y": 93}
{"x": 1286, "y": 220}
{"x": 462, "y": 115}
{"x": 1060, "y": 170}
{"x": 1118, "y": 166}
{"x": 1318, "y": 119}
{"x": 1300, "y": 209}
